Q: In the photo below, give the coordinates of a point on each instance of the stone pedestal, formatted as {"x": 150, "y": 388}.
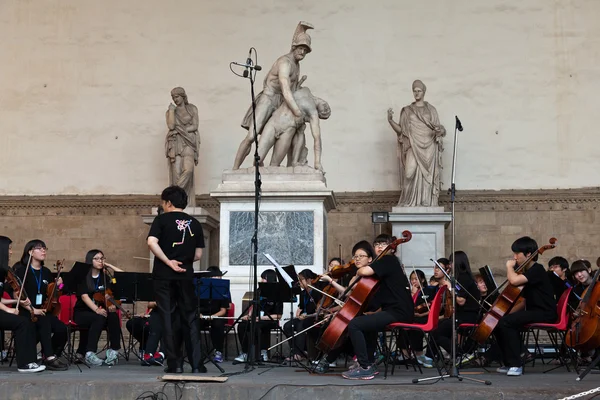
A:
{"x": 427, "y": 225}
{"x": 208, "y": 222}
{"x": 292, "y": 223}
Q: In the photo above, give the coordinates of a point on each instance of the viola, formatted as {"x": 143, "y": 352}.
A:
{"x": 53, "y": 292}
{"x": 336, "y": 272}
{"x": 505, "y": 302}
{"x": 364, "y": 289}
{"x": 584, "y": 332}
{"x": 15, "y": 283}
{"x": 106, "y": 298}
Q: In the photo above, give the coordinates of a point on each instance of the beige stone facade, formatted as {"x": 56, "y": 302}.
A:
{"x": 486, "y": 224}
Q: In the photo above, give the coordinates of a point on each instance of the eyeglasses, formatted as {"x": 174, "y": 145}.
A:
{"x": 40, "y": 248}
{"x": 99, "y": 258}
{"x": 380, "y": 244}
{"x": 359, "y": 256}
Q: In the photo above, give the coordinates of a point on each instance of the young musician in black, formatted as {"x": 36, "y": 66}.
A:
{"x": 176, "y": 240}
{"x": 540, "y": 304}
{"x": 393, "y": 298}
{"x": 22, "y": 328}
{"x": 267, "y": 319}
{"x": 93, "y": 315}
{"x": 214, "y": 308}
{"x": 305, "y": 313}
{"x": 51, "y": 332}
{"x": 560, "y": 275}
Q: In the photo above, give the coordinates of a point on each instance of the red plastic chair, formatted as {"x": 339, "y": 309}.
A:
{"x": 556, "y": 333}
{"x": 431, "y": 324}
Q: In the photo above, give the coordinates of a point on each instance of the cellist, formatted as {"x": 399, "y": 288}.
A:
{"x": 539, "y": 304}
{"x": 396, "y": 306}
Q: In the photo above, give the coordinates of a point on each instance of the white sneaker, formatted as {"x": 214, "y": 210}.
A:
{"x": 112, "y": 357}
{"x": 264, "y": 355}
{"x": 502, "y": 370}
{"x": 243, "y": 357}
{"x": 92, "y": 359}
{"x": 515, "y": 371}
{"x": 32, "y": 367}
{"x": 333, "y": 364}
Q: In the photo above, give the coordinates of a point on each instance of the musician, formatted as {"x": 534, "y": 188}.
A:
{"x": 23, "y": 330}
{"x": 267, "y": 319}
{"x": 214, "y": 308}
{"x": 94, "y": 314}
{"x": 51, "y": 332}
{"x": 395, "y": 301}
{"x": 344, "y": 280}
{"x": 539, "y": 305}
{"x": 560, "y": 275}
{"x": 147, "y": 330}
{"x": 467, "y": 305}
{"x": 176, "y": 240}
{"x": 583, "y": 277}
{"x": 422, "y": 295}
{"x": 305, "y": 313}
{"x": 438, "y": 276}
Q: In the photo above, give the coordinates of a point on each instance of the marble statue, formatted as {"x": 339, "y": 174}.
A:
{"x": 278, "y": 87}
{"x": 419, "y": 150}
{"x": 284, "y": 132}
{"x": 182, "y": 142}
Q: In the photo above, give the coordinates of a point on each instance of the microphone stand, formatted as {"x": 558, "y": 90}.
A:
{"x": 250, "y": 73}
{"x": 454, "y": 371}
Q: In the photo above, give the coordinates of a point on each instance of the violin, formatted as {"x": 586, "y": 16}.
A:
{"x": 337, "y": 272}
{"x": 584, "y": 333}
{"x": 106, "y": 299}
{"x": 505, "y": 302}
{"x": 364, "y": 289}
{"x": 15, "y": 283}
{"x": 52, "y": 305}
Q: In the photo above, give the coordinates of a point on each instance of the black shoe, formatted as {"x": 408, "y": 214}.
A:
{"x": 201, "y": 370}
{"x": 175, "y": 370}
{"x": 55, "y": 365}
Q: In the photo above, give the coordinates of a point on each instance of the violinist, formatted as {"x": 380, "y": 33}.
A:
{"x": 438, "y": 277}
{"x": 51, "y": 331}
{"x": 422, "y": 296}
{"x": 396, "y": 306}
{"x": 305, "y": 313}
{"x": 560, "y": 275}
{"x": 467, "y": 304}
{"x": 93, "y": 311}
{"x": 539, "y": 305}
{"x": 22, "y": 328}
{"x": 337, "y": 262}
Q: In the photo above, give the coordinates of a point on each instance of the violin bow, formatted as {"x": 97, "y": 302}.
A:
{"x": 23, "y": 283}
{"x": 458, "y": 286}
{"x": 338, "y": 302}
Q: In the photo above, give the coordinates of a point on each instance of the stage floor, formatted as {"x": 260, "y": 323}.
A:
{"x": 128, "y": 380}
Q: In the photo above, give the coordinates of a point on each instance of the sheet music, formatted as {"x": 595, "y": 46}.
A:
{"x": 284, "y": 274}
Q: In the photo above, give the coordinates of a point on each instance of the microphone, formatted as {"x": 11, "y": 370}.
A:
{"x": 458, "y": 124}
{"x": 247, "y": 65}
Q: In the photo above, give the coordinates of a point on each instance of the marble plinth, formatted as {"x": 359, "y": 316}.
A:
{"x": 427, "y": 225}
{"x": 292, "y": 222}
{"x": 208, "y": 222}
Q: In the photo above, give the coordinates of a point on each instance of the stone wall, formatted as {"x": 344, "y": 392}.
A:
{"x": 486, "y": 223}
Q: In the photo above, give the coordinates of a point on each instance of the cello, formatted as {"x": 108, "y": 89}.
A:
{"x": 505, "y": 302}
{"x": 584, "y": 333}
{"x": 363, "y": 290}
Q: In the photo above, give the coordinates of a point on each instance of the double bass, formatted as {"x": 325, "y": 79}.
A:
{"x": 584, "y": 333}
{"x": 363, "y": 290}
{"x": 505, "y": 302}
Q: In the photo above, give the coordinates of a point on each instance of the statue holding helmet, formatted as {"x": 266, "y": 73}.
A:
{"x": 282, "y": 80}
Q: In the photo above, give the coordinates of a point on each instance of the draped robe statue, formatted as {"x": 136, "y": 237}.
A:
{"x": 182, "y": 143}
{"x": 419, "y": 150}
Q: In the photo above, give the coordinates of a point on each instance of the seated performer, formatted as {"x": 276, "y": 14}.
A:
{"x": 214, "y": 308}
{"x": 305, "y": 314}
{"x": 147, "y": 330}
{"x": 51, "y": 332}
{"x": 467, "y": 306}
{"x": 438, "y": 277}
{"x": 422, "y": 296}
{"x": 560, "y": 275}
{"x": 22, "y": 328}
{"x": 267, "y": 318}
{"x": 94, "y": 314}
{"x": 539, "y": 305}
{"x": 396, "y": 306}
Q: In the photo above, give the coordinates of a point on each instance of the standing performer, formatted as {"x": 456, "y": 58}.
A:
{"x": 93, "y": 312}
{"x": 176, "y": 240}
{"x": 22, "y": 327}
{"x": 50, "y": 330}
{"x": 539, "y": 305}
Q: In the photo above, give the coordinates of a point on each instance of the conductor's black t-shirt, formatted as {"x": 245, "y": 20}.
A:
{"x": 179, "y": 235}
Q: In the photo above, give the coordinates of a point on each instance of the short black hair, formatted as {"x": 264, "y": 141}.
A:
{"x": 579, "y": 265}
{"x": 269, "y": 275}
{"x": 384, "y": 238}
{"x": 176, "y": 195}
{"x": 560, "y": 261}
{"x": 307, "y": 274}
{"x": 525, "y": 245}
{"x": 336, "y": 259}
{"x": 444, "y": 261}
{"x": 364, "y": 245}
